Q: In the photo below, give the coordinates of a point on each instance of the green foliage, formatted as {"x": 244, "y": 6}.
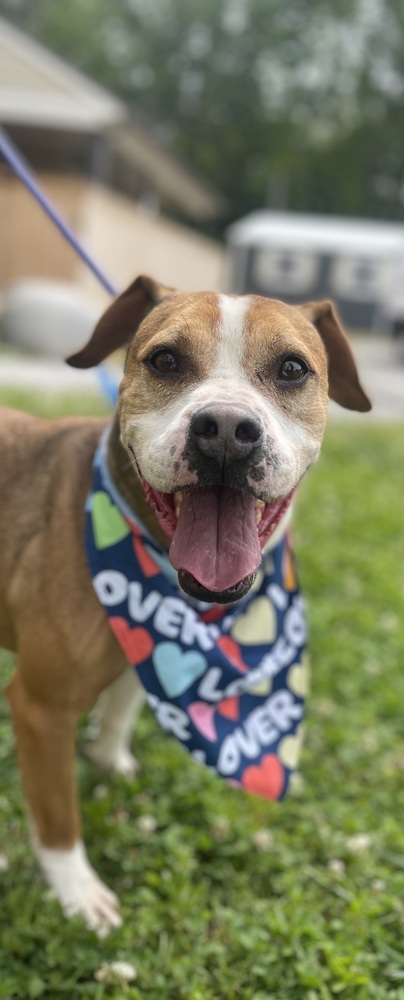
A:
{"x": 92, "y": 404}
{"x": 297, "y": 104}
{"x": 231, "y": 896}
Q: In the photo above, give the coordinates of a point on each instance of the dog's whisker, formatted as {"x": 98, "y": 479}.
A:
{"x": 128, "y": 465}
{"x": 135, "y": 463}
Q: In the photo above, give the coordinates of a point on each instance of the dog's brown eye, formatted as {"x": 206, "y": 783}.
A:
{"x": 164, "y": 362}
{"x": 292, "y": 369}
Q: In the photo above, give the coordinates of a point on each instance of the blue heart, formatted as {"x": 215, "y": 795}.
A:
{"x": 176, "y": 670}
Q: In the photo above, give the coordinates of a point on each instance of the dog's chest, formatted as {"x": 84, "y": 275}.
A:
{"x": 228, "y": 683}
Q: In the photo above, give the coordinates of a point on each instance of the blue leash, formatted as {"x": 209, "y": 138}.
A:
{"x": 15, "y": 160}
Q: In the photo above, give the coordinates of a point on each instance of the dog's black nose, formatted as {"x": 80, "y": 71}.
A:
{"x": 226, "y": 433}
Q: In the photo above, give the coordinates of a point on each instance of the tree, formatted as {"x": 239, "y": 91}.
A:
{"x": 295, "y": 105}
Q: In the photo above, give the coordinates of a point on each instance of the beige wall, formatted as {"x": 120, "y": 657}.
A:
{"x": 129, "y": 241}
{"x": 124, "y": 239}
{"x": 30, "y": 246}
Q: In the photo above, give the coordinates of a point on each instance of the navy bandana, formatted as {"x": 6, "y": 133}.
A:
{"x": 227, "y": 682}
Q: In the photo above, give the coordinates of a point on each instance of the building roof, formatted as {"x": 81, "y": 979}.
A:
{"x": 39, "y": 88}
{"x": 317, "y": 232}
{"x": 40, "y": 91}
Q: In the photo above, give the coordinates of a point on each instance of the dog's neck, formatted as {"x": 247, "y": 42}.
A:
{"x": 127, "y": 480}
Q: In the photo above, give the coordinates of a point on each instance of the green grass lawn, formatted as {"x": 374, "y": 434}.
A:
{"x": 226, "y": 896}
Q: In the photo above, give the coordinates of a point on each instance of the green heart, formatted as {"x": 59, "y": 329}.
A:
{"x": 108, "y": 524}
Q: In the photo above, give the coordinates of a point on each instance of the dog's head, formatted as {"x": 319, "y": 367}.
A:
{"x": 223, "y": 404}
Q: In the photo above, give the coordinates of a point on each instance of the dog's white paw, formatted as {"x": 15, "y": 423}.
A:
{"x": 126, "y": 763}
{"x": 118, "y": 758}
{"x": 77, "y": 887}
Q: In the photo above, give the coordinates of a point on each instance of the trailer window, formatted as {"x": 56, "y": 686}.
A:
{"x": 361, "y": 278}
{"x": 281, "y": 271}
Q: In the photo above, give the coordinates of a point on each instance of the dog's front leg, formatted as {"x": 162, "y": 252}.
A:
{"x": 45, "y": 740}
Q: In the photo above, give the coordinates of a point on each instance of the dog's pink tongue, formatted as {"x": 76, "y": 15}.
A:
{"x": 216, "y": 538}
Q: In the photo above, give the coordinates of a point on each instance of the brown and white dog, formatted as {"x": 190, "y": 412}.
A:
{"x": 222, "y": 409}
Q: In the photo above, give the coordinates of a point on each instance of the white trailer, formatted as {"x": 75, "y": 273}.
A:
{"x": 359, "y": 264}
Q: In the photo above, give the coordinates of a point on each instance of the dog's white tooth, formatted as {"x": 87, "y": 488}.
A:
{"x": 259, "y": 504}
{"x": 178, "y": 501}
{"x": 258, "y": 517}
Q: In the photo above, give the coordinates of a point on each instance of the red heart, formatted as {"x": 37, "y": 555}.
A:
{"x": 215, "y": 613}
{"x": 266, "y": 779}
{"x": 230, "y": 708}
{"x": 136, "y": 643}
{"x": 232, "y": 650}
{"x": 133, "y": 527}
{"x": 145, "y": 561}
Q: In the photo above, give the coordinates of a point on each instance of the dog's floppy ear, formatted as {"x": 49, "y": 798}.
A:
{"x": 344, "y": 385}
{"x": 118, "y": 324}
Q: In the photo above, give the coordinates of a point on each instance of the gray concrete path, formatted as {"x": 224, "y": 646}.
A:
{"x": 46, "y": 375}
{"x": 380, "y": 362}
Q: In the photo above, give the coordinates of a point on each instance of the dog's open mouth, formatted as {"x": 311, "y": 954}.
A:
{"x": 216, "y": 534}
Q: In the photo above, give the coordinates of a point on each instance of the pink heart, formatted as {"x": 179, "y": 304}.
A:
{"x": 202, "y": 716}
